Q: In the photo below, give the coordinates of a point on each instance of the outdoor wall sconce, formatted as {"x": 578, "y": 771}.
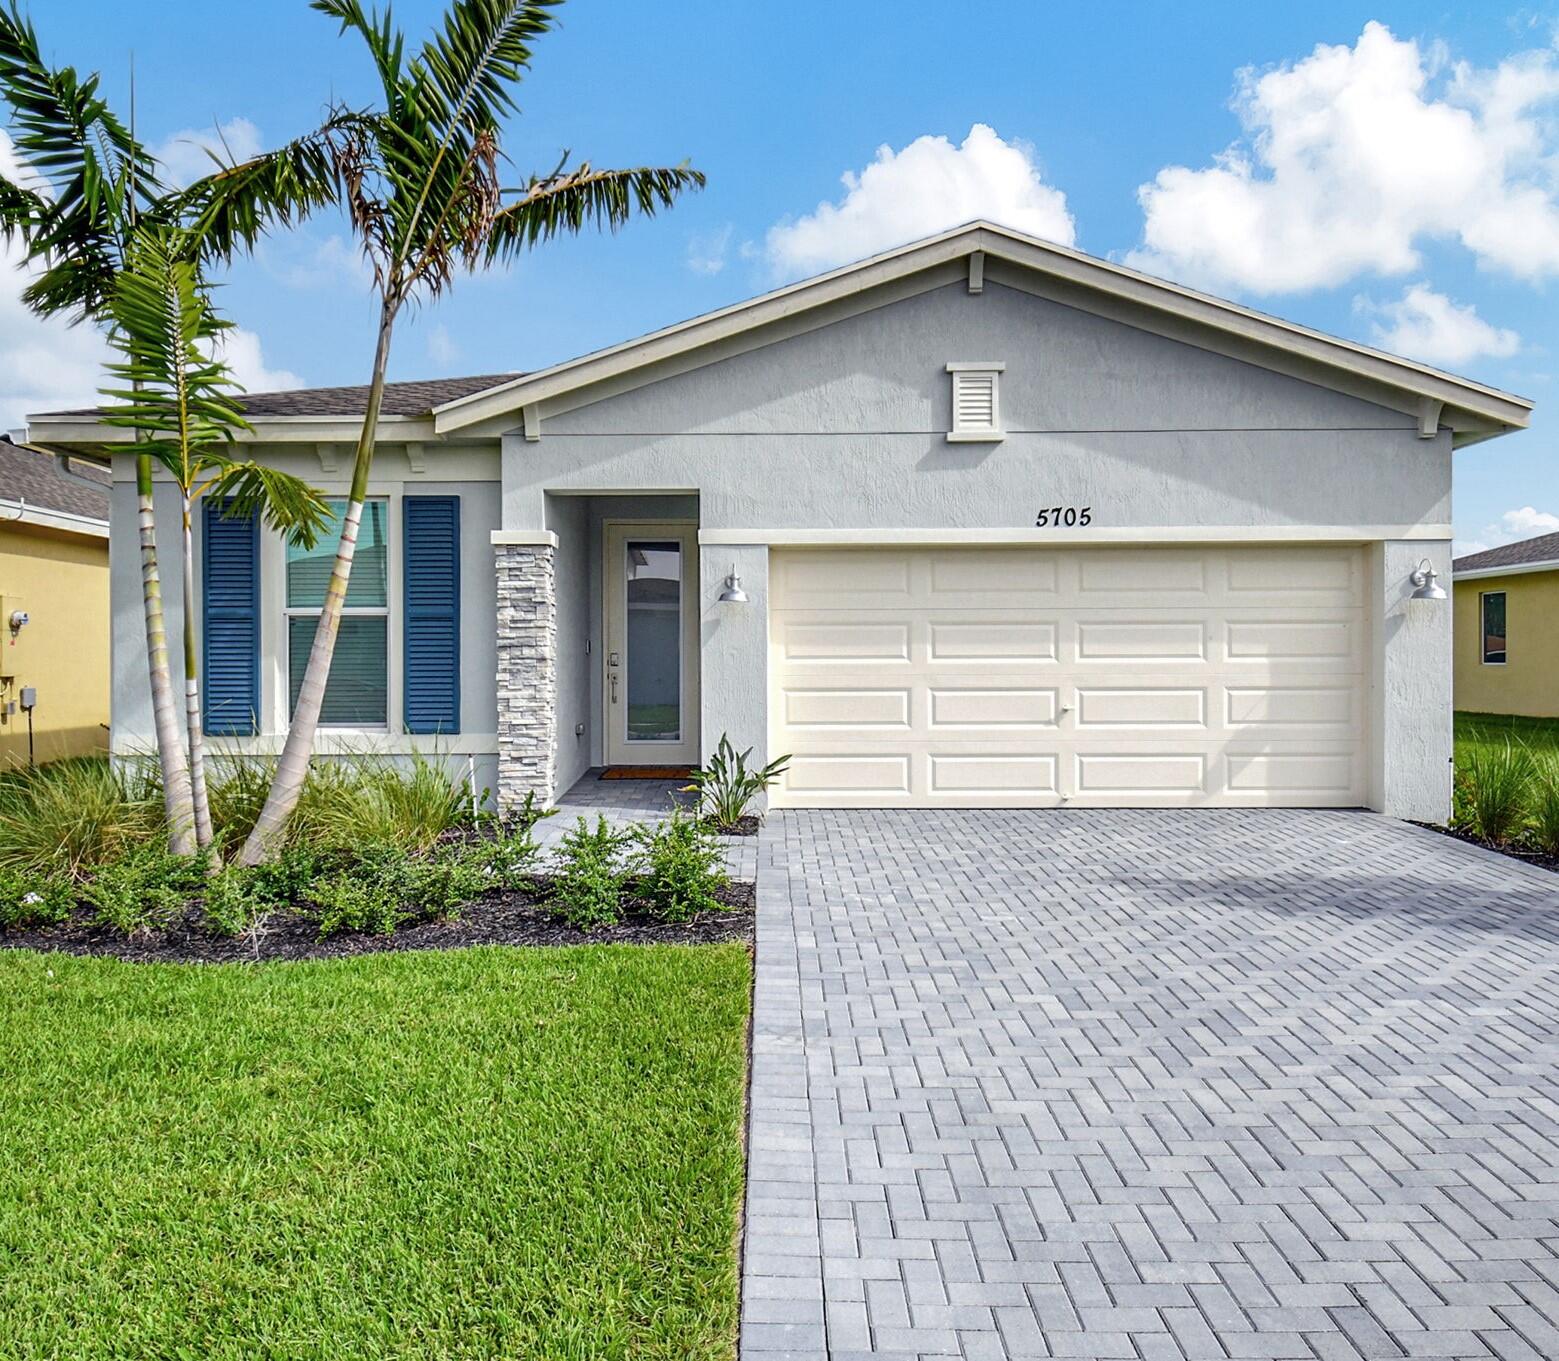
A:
{"x": 1426, "y": 583}
{"x": 734, "y": 595}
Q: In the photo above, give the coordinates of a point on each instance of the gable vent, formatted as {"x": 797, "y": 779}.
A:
{"x": 976, "y": 401}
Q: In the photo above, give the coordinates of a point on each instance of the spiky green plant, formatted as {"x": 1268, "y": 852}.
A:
{"x": 70, "y": 817}
{"x": 1494, "y": 791}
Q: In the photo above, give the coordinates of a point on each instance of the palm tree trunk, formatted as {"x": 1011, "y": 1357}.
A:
{"x": 192, "y": 725}
{"x": 176, "y": 796}
{"x": 293, "y": 767}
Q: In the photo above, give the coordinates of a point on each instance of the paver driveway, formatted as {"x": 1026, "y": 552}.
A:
{"x": 1151, "y": 1084}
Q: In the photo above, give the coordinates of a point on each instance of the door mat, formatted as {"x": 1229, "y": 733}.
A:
{"x": 646, "y": 772}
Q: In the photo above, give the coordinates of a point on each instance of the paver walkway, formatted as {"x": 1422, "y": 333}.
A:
{"x": 1151, "y": 1085}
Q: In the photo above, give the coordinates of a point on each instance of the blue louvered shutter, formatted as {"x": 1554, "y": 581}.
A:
{"x": 231, "y": 575}
{"x": 431, "y": 623}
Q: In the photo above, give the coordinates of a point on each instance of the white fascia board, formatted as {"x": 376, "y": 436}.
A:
{"x": 70, "y": 430}
{"x": 1470, "y": 406}
{"x": 1122, "y": 534}
{"x": 20, "y": 513}
{"x": 1515, "y": 570}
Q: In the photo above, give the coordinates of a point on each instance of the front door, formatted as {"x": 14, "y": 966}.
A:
{"x": 651, "y": 682}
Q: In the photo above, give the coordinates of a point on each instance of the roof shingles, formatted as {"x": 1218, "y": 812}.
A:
{"x": 416, "y": 398}
{"x": 40, "y": 482}
{"x": 1544, "y": 548}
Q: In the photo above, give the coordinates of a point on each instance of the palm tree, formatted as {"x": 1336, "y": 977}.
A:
{"x": 179, "y": 401}
{"x": 95, "y": 184}
{"x": 420, "y": 182}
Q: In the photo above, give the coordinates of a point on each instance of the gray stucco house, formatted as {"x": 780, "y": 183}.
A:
{"x": 997, "y": 523}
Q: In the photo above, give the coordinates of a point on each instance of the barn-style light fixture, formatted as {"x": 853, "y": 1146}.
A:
{"x": 734, "y": 595}
{"x": 1426, "y": 583}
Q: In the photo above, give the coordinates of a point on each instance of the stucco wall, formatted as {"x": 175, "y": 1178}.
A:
{"x": 1528, "y": 682}
{"x": 61, "y": 580}
{"x": 469, "y": 473}
{"x": 844, "y": 427}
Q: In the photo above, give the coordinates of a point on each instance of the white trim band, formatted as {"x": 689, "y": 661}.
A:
{"x": 865, "y": 538}
{"x": 523, "y": 538}
{"x": 20, "y": 513}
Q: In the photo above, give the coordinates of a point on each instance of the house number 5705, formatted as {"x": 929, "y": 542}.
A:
{"x": 1063, "y": 517}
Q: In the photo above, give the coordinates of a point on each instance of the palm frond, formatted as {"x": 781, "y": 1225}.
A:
{"x": 465, "y": 74}
{"x": 569, "y": 201}
{"x": 230, "y": 209}
{"x": 167, "y": 386}
{"x": 286, "y": 503}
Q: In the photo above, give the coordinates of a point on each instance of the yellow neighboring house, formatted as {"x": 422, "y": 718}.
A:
{"x": 54, "y": 629}
{"x": 1507, "y": 629}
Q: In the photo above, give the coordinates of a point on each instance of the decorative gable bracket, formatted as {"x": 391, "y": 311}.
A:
{"x": 976, "y": 402}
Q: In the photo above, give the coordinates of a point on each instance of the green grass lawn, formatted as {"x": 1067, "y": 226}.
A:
{"x": 480, "y": 1153}
{"x": 1540, "y": 734}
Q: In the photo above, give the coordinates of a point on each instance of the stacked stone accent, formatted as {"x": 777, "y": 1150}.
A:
{"x": 527, "y": 673}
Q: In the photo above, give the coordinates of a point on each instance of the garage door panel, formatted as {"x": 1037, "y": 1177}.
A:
{"x": 811, "y": 580}
{"x": 1240, "y": 679}
{"x": 1003, "y": 776}
{"x": 850, "y": 707}
{"x": 955, "y": 709}
{"x": 1291, "y": 640}
{"x": 842, "y": 640}
{"x": 1143, "y": 641}
{"x": 1019, "y": 578}
{"x": 1141, "y": 706}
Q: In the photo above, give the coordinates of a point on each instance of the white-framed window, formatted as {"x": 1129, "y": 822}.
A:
{"x": 1491, "y": 612}
{"x": 357, "y": 695}
{"x": 976, "y": 401}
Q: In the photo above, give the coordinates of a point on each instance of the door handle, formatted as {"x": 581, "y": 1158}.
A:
{"x": 614, "y": 685}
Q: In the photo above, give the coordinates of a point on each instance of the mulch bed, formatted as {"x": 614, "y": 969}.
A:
{"x": 500, "y": 919}
{"x": 1545, "y": 862}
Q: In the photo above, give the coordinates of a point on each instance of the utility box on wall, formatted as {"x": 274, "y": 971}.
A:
{"x": 14, "y": 625}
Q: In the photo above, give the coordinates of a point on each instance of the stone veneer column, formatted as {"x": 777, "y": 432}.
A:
{"x": 527, "y": 673}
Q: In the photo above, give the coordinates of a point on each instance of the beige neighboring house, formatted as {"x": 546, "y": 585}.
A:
{"x": 54, "y": 606}
{"x": 1507, "y": 629}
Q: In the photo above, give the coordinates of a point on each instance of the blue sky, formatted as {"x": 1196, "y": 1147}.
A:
{"x": 1388, "y": 173}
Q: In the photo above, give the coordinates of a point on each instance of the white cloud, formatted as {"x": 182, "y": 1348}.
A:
{"x": 706, "y": 251}
{"x": 186, "y": 155}
{"x": 928, "y": 187}
{"x": 1352, "y": 157}
{"x": 442, "y": 349}
{"x": 299, "y": 259}
{"x": 1423, "y": 324}
{"x": 245, "y": 357}
{"x": 1526, "y": 522}
{"x": 45, "y": 365}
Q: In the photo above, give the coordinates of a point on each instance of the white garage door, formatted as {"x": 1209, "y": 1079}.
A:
{"x": 1009, "y": 677}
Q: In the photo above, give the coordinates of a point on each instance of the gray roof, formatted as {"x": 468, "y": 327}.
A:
{"x": 39, "y": 480}
{"x": 1544, "y": 548}
{"x": 416, "y": 398}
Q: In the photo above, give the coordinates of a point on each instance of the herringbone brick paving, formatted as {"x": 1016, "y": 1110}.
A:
{"x": 1142, "y": 1084}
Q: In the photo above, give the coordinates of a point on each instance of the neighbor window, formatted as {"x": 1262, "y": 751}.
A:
{"x": 1492, "y": 604}
{"x": 357, "y": 693}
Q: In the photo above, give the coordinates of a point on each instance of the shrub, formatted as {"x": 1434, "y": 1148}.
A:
{"x": 681, "y": 868}
{"x": 72, "y": 816}
{"x": 587, "y": 890}
{"x": 728, "y": 788}
{"x": 384, "y": 887}
{"x": 1493, "y": 789}
{"x": 506, "y": 858}
{"x": 144, "y": 889}
{"x": 29, "y": 899}
{"x": 232, "y": 907}
{"x": 1545, "y": 807}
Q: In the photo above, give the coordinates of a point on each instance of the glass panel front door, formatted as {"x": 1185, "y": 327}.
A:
{"x": 653, "y": 568}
